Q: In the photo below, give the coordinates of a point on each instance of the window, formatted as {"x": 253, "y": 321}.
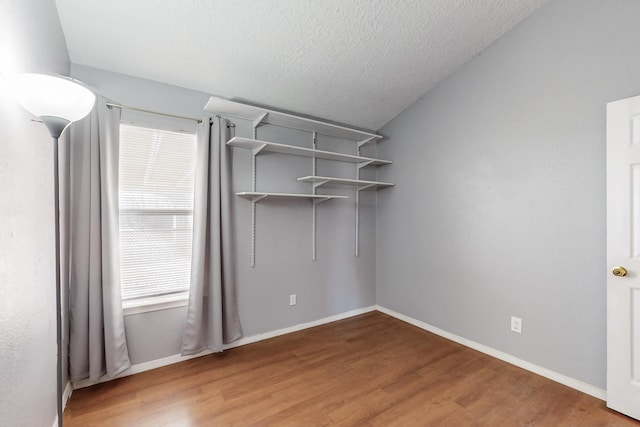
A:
{"x": 156, "y": 213}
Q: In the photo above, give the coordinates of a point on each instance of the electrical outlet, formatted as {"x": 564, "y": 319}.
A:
{"x": 292, "y": 299}
{"x": 516, "y": 324}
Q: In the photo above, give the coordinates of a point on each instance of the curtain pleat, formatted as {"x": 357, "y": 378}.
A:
{"x": 97, "y": 342}
{"x": 212, "y": 314}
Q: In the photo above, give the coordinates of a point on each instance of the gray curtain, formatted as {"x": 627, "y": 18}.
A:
{"x": 97, "y": 344}
{"x": 212, "y": 316}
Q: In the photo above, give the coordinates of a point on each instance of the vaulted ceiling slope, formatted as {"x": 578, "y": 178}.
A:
{"x": 358, "y": 62}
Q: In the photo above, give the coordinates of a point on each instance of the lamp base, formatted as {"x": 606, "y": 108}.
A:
{"x": 56, "y": 125}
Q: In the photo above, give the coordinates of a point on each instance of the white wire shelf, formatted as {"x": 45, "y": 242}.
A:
{"x": 259, "y": 146}
{"x": 318, "y": 181}
{"x": 317, "y": 198}
{"x": 260, "y": 115}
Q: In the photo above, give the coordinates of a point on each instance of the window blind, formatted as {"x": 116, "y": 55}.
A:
{"x": 156, "y": 211}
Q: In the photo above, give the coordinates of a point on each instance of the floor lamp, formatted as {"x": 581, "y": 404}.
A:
{"x": 57, "y": 101}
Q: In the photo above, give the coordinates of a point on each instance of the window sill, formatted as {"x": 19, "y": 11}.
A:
{"x": 154, "y": 304}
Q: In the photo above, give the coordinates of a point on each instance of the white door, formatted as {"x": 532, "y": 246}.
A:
{"x": 623, "y": 256}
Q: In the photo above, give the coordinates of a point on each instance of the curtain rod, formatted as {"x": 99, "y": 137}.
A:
{"x": 127, "y": 107}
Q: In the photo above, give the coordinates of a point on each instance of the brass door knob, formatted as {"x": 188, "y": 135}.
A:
{"x": 619, "y": 271}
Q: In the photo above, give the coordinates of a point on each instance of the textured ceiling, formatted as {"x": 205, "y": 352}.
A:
{"x": 359, "y": 62}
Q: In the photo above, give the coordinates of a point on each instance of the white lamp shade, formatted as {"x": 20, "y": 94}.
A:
{"x": 49, "y": 96}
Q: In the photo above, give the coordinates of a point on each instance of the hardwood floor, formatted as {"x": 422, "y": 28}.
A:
{"x": 369, "y": 370}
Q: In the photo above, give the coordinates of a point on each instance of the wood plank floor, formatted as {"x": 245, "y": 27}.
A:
{"x": 369, "y": 370}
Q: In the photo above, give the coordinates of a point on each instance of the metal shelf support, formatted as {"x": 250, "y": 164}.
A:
{"x": 360, "y": 166}
{"x": 365, "y": 141}
{"x": 258, "y": 121}
{"x": 315, "y": 202}
{"x": 254, "y": 199}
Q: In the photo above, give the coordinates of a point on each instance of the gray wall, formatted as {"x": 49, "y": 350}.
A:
{"x": 499, "y": 208}
{"x": 337, "y": 282}
{"x": 31, "y": 40}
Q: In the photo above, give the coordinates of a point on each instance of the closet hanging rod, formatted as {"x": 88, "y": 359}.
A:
{"x": 127, "y": 107}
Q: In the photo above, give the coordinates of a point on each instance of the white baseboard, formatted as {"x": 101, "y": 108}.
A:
{"x": 539, "y": 370}
{"x": 301, "y": 326}
{"x": 158, "y": 363}
{"x": 544, "y": 372}
{"x": 66, "y": 394}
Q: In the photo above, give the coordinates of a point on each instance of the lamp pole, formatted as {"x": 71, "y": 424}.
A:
{"x": 56, "y": 126}
{"x": 56, "y": 227}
